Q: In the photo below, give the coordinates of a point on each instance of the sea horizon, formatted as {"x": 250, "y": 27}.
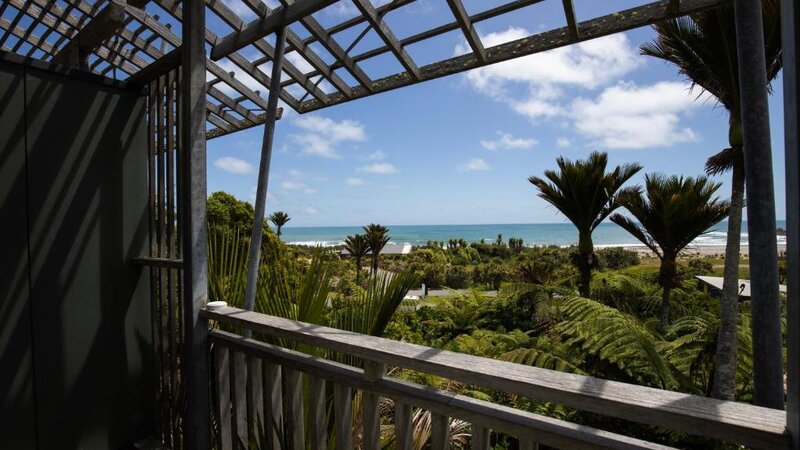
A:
{"x": 607, "y": 234}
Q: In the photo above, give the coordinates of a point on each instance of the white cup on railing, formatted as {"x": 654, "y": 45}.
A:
{"x": 213, "y": 306}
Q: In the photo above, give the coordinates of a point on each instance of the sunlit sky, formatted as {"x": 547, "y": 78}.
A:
{"x": 459, "y": 150}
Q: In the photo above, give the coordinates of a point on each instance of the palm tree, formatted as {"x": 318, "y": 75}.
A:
{"x": 703, "y": 47}
{"x": 674, "y": 212}
{"x": 358, "y": 247}
{"x": 279, "y": 218}
{"x": 377, "y": 238}
{"x": 584, "y": 192}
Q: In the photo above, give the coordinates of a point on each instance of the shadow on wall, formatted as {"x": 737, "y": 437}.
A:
{"x": 77, "y": 184}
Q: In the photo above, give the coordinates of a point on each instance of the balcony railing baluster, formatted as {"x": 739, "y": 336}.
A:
{"x": 749, "y": 425}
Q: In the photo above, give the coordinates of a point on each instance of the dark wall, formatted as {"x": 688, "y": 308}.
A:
{"x": 89, "y": 307}
{"x": 17, "y": 421}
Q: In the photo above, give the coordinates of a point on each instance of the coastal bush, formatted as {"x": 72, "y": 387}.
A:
{"x": 465, "y": 256}
{"x": 490, "y": 274}
{"x": 616, "y": 258}
{"x": 491, "y": 250}
{"x": 458, "y": 277}
{"x": 430, "y": 266}
{"x": 697, "y": 267}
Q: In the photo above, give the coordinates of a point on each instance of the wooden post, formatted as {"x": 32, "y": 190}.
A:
{"x": 263, "y": 173}
{"x": 790, "y": 16}
{"x": 440, "y": 432}
{"x": 343, "y": 412}
{"x": 373, "y": 371}
{"x": 197, "y": 424}
{"x": 767, "y": 339}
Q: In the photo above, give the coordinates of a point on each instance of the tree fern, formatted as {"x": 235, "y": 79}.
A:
{"x": 542, "y": 359}
{"x": 626, "y": 293}
{"x": 692, "y": 345}
{"x": 619, "y": 339}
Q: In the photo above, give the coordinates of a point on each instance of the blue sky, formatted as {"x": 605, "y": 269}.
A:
{"x": 459, "y": 150}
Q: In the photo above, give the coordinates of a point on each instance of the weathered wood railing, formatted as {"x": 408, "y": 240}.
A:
{"x": 272, "y": 371}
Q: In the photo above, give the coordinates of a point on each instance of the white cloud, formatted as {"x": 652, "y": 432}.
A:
{"x": 233, "y": 165}
{"x": 353, "y": 181}
{"x": 346, "y": 8}
{"x": 377, "y": 155}
{"x": 311, "y": 210}
{"x": 563, "y": 142}
{"x": 473, "y": 164}
{"x": 345, "y": 130}
{"x": 290, "y": 185}
{"x": 323, "y": 134}
{"x": 587, "y": 65}
{"x": 379, "y": 168}
{"x": 634, "y": 117}
{"x": 299, "y": 62}
{"x": 508, "y": 142}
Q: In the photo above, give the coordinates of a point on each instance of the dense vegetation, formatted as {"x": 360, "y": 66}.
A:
{"x": 534, "y": 318}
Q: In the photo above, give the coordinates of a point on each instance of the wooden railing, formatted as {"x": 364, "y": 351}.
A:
{"x": 251, "y": 377}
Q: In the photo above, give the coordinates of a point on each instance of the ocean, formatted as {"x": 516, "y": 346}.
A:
{"x": 561, "y": 234}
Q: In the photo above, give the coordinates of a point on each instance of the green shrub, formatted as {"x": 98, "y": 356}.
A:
{"x": 616, "y": 258}
{"x": 458, "y": 278}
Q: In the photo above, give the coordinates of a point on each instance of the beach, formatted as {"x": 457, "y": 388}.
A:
{"x": 702, "y": 251}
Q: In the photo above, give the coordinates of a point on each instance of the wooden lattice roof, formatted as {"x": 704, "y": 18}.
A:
{"x": 136, "y": 40}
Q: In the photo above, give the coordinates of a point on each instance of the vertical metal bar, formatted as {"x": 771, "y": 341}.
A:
{"x": 179, "y": 243}
{"x": 163, "y": 293}
{"x": 197, "y": 423}
{"x": 155, "y": 305}
{"x": 263, "y": 171}
{"x": 767, "y": 340}
{"x": 790, "y": 17}
{"x": 171, "y": 253}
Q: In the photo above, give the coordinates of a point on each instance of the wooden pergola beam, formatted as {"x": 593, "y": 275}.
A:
{"x": 296, "y": 74}
{"x": 297, "y": 43}
{"x": 333, "y": 47}
{"x": 14, "y": 22}
{"x": 165, "y": 64}
{"x": 100, "y": 28}
{"x": 433, "y": 32}
{"x": 468, "y": 29}
{"x": 591, "y": 29}
{"x": 49, "y": 49}
{"x": 280, "y": 17}
{"x": 572, "y": 22}
{"x": 383, "y": 30}
{"x": 176, "y": 11}
{"x": 140, "y": 71}
{"x": 169, "y": 36}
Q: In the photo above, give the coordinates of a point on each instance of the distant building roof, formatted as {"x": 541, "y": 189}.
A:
{"x": 744, "y": 285}
{"x": 390, "y": 249}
